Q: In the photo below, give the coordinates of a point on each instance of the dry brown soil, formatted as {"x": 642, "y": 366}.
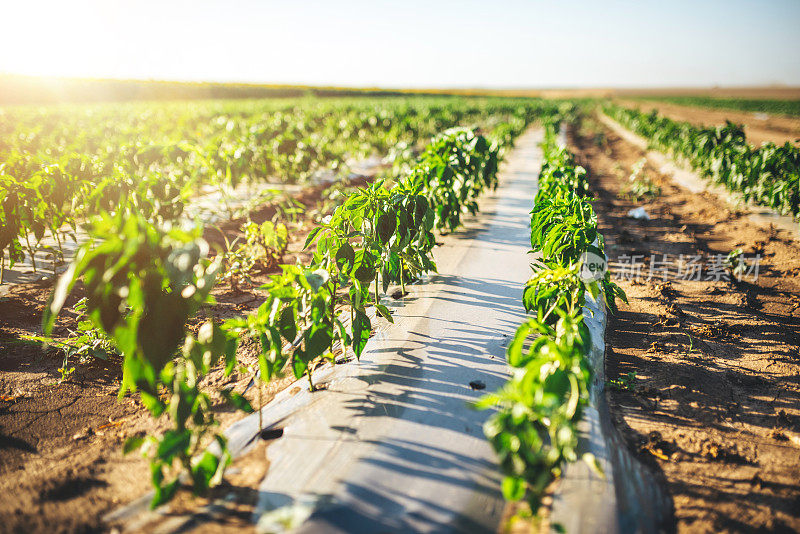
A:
{"x": 713, "y": 399}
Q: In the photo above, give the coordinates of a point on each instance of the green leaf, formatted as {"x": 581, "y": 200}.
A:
{"x": 387, "y": 223}
{"x": 513, "y": 488}
{"x": 361, "y": 331}
{"x": 151, "y": 402}
{"x": 163, "y": 494}
{"x": 345, "y": 257}
{"x": 59, "y": 296}
{"x": 318, "y": 342}
{"x": 287, "y": 324}
{"x": 312, "y": 236}
{"x": 385, "y": 313}
{"x": 172, "y": 443}
{"x": 237, "y": 400}
{"x": 203, "y": 471}
{"x": 365, "y": 273}
{"x": 132, "y": 444}
{"x": 299, "y": 364}
{"x": 317, "y": 279}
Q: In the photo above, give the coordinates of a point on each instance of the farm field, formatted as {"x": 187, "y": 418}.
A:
{"x": 64, "y": 400}
{"x": 711, "y": 444}
{"x": 165, "y": 330}
{"x": 399, "y": 267}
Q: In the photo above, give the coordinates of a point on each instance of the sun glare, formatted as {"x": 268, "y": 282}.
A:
{"x": 53, "y": 38}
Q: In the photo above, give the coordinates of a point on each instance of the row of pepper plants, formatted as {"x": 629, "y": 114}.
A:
{"x": 146, "y": 281}
{"x": 60, "y": 166}
{"x": 534, "y": 430}
{"x": 768, "y": 175}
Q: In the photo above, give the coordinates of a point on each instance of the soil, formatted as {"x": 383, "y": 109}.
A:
{"x": 707, "y": 372}
{"x": 61, "y": 462}
{"x": 759, "y": 128}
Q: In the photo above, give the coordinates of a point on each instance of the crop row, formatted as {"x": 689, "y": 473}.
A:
{"x": 59, "y": 166}
{"x": 768, "y": 175}
{"x": 534, "y": 432}
{"x": 778, "y": 107}
{"x": 145, "y": 283}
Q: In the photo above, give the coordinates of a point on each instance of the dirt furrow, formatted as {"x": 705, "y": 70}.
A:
{"x": 703, "y": 368}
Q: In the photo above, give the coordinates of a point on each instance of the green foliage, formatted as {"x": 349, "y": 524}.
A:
{"x": 85, "y": 343}
{"x": 735, "y": 263}
{"x": 60, "y": 166}
{"x": 143, "y": 285}
{"x": 553, "y": 287}
{"x": 455, "y": 168}
{"x": 639, "y": 185}
{"x": 264, "y": 245}
{"x": 626, "y": 383}
{"x": 145, "y": 280}
{"x": 769, "y": 175}
{"x": 534, "y": 431}
{"x": 754, "y": 105}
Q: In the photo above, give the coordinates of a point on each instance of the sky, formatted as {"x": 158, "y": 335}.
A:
{"x": 413, "y": 43}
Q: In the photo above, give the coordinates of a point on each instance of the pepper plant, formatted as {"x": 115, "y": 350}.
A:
{"x": 534, "y": 431}
{"x": 768, "y": 175}
{"x": 143, "y": 285}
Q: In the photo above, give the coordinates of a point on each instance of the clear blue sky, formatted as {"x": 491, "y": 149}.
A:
{"x": 410, "y": 43}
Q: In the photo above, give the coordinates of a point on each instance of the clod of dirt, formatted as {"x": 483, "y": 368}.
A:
{"x": 779, "y": 435}
{"x": 784, "y": 420}
{"x": 658, "y": 447}
{"x": 83, "y": 434}
{"x": 717, "y": 451}
{"x": 666, "y": 289}
{"x": 715, "y": 330}
{"x": 674, "y": 310}
{"x": 663, "y": 321}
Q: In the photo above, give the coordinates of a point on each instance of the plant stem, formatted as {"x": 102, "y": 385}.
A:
{"x": 333, "y": 302}
{"x": 31, "y": 251}
{"x": 352, "y": 323}
{"x": 260, "y": 386}
{"x": 58, "y": 241}
{"x": 549, "y": 311}
{"x": 333, "y": 317}
{"x": 310, "y": 383}
{"x": 402, "y": 277}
